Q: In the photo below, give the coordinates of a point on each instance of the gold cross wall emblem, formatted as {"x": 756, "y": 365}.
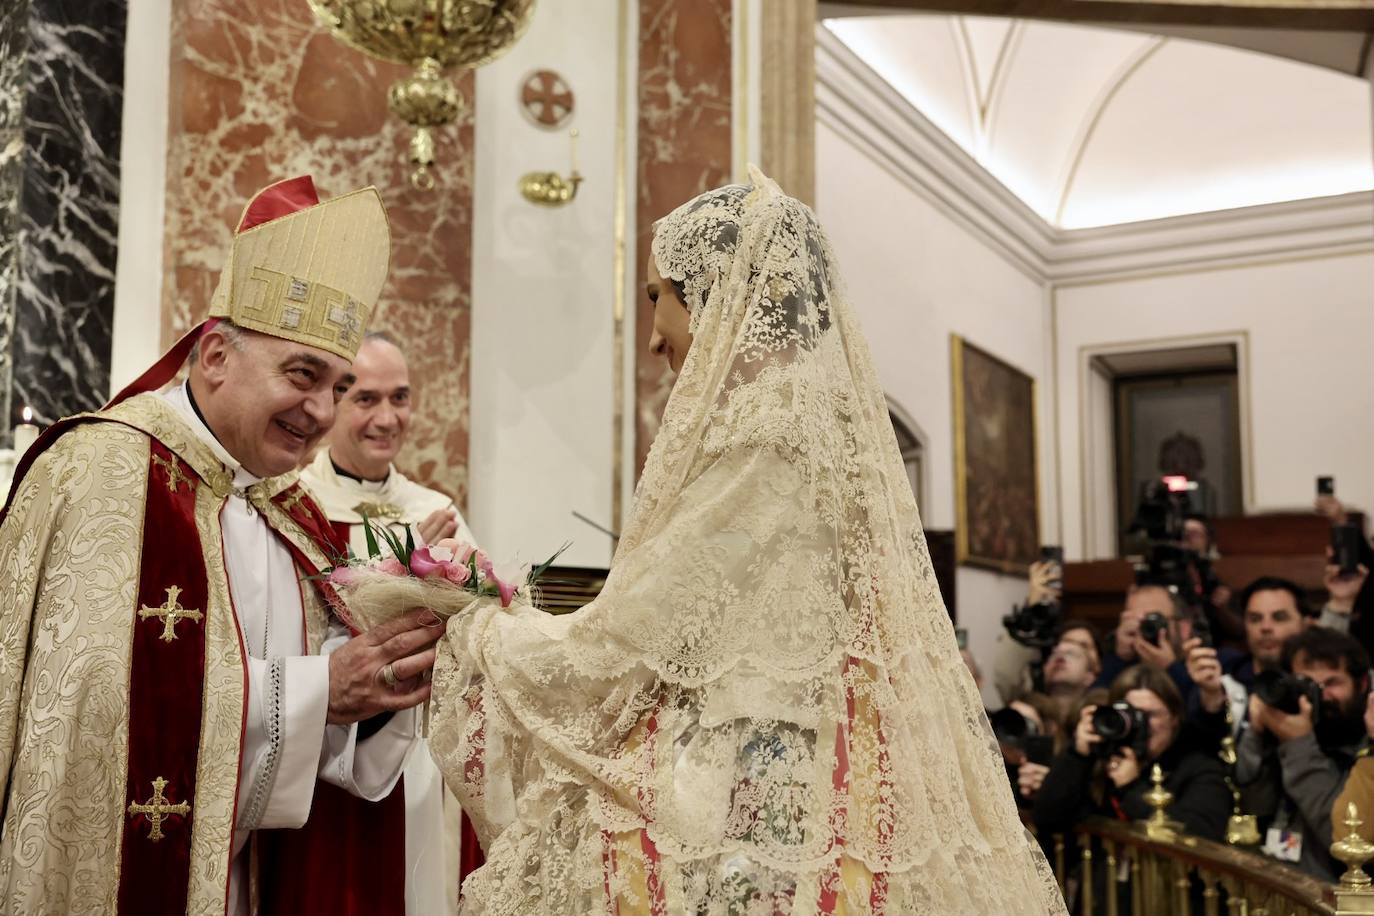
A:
{"x": 157, "y": 809}
{"x": 170, "y": 612}
{"x": 173, "y": 471}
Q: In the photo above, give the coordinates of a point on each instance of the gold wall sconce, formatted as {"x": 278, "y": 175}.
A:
{"x": 550, "y": 189}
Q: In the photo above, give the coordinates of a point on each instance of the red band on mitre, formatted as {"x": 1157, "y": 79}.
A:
{"x": 278, "y": 200}
{"x": 272, "y": 202}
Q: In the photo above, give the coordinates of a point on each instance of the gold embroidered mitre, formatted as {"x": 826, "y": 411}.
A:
{"x": 306, "y": 270}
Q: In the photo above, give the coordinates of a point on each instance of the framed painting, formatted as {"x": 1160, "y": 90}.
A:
{"x": 996, "y": 488}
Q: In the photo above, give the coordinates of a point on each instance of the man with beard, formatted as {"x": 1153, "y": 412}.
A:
{"x": 1272, "y": 613}
{"x": 1292, "y": 765}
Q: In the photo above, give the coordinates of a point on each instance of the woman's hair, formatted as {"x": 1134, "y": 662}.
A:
{"x": 1144, "y": 677}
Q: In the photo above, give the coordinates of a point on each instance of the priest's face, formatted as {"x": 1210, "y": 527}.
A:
{"x": 671, "y": 338}
{"x": 375, "y": 413}
{"x": 268, "y": 401}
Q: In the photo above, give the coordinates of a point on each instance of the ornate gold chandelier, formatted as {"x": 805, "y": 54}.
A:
{"x": 432, "y": 36}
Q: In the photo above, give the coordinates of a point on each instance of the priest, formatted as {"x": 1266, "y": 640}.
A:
{"x": 172, "y": 682}
{"x": 355, "y": 474}
{"x": 354, "y": 477}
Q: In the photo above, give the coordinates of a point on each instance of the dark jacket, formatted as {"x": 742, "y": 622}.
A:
{"x": 1202, "y": 803}
{"x": 1113, "y": 665}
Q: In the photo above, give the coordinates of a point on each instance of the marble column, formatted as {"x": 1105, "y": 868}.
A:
{"x": 685, "y": 148}
{"x": 59, "y": 174}
{"x": 14, "y": 19}
{"x": 259, "y": 93}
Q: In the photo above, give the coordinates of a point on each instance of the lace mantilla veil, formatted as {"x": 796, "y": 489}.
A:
{"x": 765, "y": 710}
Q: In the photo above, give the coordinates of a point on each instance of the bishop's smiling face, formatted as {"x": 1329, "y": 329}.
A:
{"x": 267, "y": 400}
{"x": 671, "y": 336}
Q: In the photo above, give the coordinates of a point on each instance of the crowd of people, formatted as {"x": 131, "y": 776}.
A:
{"x": 1259, "y": 698}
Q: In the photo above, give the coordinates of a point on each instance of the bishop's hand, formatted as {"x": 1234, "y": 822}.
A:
{"x": 383, "y": 669}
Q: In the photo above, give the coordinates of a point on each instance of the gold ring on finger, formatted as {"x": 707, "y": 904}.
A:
{"x": 388, "y": 675}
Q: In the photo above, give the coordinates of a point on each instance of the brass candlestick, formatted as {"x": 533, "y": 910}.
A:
{"x": 1158, "y": 826}
{"x": 1354, "y": 851}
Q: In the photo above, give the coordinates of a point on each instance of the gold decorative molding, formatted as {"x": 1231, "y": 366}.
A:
{"x": 787, "y": 96}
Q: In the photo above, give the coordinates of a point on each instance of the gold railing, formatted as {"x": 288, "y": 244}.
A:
{"x": 1138, "y": 875}
{"x": 1153, "y": 869}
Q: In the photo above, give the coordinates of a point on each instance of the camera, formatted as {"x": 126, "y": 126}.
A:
{"x": 1345, "y": 548}
{"x": 1282, "y": 691}
{"x": 1034, "y": 625}
{"x": 1121, "y": 726}
{"x": 1153, "y": 627}
{"x": 1020, "y": 738}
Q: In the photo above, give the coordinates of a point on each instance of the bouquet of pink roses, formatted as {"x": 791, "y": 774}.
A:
{"x": 447, "y": 577}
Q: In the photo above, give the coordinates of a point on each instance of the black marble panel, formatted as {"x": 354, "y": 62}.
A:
{"x": 69, "y": 206}
{"x": 14, "y": 21}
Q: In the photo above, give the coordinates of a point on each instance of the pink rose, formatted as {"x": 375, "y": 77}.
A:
{"x": 438, "y": 562}
{"x": 393, "y": 567}
{"x": 343, "y": 576}
{"x": 423, "y": 564}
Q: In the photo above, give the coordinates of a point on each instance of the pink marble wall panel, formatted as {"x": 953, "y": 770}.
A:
{"x": 684, "y": 149}
{"x": 260, "y": 93}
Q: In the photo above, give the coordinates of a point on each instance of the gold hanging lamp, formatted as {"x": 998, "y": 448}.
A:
{"x": 433, "y": 36}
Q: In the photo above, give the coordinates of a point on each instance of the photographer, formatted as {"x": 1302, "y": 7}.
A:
{"x": 1030, "y": 734}
{"x": 1212, "y": 596}
{"x": 1106, "y": 771}
{"x": 1305, "y": 726}
{"x": 1273, "y": 613}
{"x": 1153, "y": 626}
{"x": 1029, "y": 633}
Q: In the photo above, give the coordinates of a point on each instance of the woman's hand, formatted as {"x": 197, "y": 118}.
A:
{"x": 1044, "y": 585}
{"x": 1029, "y": 778}
{"x": 1123, "y": 769}
{"x": 1084, "y": 737}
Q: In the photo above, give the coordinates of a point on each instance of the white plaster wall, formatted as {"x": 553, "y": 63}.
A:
{"x": 142, "y": 190}
{"x": 1306, "y": 327}
{"x": 542, "y": 299}
{"x": 915, "y": 277}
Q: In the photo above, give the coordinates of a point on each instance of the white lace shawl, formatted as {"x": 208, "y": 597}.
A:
{"x": 767, "y": 693}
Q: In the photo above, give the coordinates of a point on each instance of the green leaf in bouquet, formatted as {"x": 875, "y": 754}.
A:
{"x": 394, "y": 543}
{"x": 542, "y": 568}
{"x": 410, "y": 543}
{"x": 373, "y": 551}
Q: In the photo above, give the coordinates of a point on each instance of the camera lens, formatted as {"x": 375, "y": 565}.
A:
{"x": 1278, "y": 690}
{"x": 1112, "y": 723}
{"x": 1152, "y": 627}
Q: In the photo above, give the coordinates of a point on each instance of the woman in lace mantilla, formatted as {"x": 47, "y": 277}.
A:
{"x": 765, "y": 710}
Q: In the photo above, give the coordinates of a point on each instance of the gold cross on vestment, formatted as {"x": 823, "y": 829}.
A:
{"x": 172, "y": 469}
{"x": 291, "y": 502}
{"x": 170, "y": 612}
{"x": 157, "y": 809}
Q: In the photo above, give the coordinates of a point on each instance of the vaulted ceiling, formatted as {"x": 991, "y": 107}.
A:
{"x": 1094, "y": 126}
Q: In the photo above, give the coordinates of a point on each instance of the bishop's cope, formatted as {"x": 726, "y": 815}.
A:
{"x": 174, "y": 690}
